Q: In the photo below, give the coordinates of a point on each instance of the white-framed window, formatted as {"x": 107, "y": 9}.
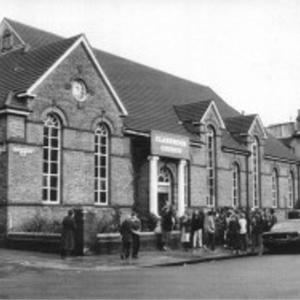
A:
{"x": 101, "y": 154}
{"x": 255, "y": 172}
{"x": 51, "y": 159}
{"x": 186, "y": 185}
{"x": 211, "y": 166}
{"x": 236, "y": 185}
{"x": 275, "y": 188}
{"x": 291, "y": 190}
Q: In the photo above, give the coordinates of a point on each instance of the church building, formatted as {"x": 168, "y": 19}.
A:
{"x": 82, "y": 128}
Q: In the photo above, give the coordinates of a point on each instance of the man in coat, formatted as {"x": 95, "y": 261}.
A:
{"x": 126, "y": 234}
{"x": 135, "y": 230}
{"x": 68, "y": 235}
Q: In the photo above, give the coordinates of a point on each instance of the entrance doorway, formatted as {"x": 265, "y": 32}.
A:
{"x": 164, "y": 188}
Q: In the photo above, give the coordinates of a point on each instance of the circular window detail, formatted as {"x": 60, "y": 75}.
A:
{"x": 79, "y": 90}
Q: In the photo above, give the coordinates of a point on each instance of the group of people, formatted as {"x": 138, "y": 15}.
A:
{"x": 229, "y": 227}
{"x": 226, "y": 226}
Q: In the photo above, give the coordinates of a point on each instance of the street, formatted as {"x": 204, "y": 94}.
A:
{"x": 269, "y": 276}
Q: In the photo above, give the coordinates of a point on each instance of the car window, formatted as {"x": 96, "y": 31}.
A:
{"x": 286, "y": 226}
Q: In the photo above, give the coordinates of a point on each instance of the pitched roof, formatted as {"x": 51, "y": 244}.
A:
{"x": 20, "y": 69}
{"x": 149, "y": 95}
{"x": 34, "y": 37}
{"x": 192, "y": 112}
{"x": 239, "y": 124}
{"x": 276, "y": 148}
{"x": 153, "y": 99}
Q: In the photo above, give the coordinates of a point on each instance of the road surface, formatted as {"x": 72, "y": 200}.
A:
{"x": 272, "y": 276}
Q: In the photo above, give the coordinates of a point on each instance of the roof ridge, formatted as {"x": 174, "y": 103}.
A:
{"x": 151, "y": 68}
{"x": 12, "y": 22}
{"x": 75, "y": 37}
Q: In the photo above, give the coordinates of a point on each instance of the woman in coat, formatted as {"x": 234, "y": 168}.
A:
{"x": 68, "y": 235}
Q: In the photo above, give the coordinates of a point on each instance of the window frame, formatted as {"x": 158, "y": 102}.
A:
{"x": 236, "y": 185}
{"x": 211, "y": 166}
{"x": 255, "y": 173}
{"x": 49, "y": 183}
{"x": 275, "y": 188}
{"x": 101, "y": 164}
{"x": 291, "y": 190}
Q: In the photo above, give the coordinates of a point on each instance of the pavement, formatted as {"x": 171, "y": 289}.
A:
{"x": 111, "y": 262}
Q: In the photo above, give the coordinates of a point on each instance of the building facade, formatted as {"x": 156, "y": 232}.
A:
{"x": 81, "y": 128}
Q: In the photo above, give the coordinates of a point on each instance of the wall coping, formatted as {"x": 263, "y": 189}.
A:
{"x": 36, "y": 234}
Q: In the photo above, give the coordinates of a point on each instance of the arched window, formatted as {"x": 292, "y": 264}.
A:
{"x": 275, "y": 188}
{"x": 211, "y": 166}
{"x": 291, "y": 190}
{"x": 165, "y": 184}
{"x": 255, "y": 172}
{"x": 164, "y": 177}
{"x": 236, "y": 185}
{"x": 101, "y": 164}
{"x": 51, "y": 158}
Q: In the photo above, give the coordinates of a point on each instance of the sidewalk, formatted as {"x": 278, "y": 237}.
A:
{"x": 112, "y": 261}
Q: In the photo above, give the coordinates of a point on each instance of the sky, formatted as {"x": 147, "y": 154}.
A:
{"x": 247, "y": 51}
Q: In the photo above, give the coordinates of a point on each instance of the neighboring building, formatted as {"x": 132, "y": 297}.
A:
{"x": 84, "y": 128}
{"x": 288, "y": 133}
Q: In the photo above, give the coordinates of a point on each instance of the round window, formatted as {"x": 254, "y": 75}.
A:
{"x": 79, "y": 90}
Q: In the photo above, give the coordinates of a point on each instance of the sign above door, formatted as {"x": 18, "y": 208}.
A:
{"x": 169, "y": 145}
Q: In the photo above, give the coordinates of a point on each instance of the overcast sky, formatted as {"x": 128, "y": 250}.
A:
{"x": 248, "y": 51}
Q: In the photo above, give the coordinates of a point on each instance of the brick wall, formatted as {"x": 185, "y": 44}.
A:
{"x": 79, "y": 121}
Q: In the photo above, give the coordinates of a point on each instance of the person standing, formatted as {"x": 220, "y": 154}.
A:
{"x": 211, "y": 230}
{"x": 167, "y": 224}
{"x": 273, "y": 218}
{"x": 257, "y": 227}
{"x": 197, "y": 223}
{"x": 233, "y": 233}
{"x": 135, "y": 230}
{"x": 243, "y": 233}
{"x": 68, "y": 235}
{"x": 158, "y": 234}
{"x": 185, "y": 228}
{"x": 126, "y": 234}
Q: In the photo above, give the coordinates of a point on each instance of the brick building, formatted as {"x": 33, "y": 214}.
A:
{"x": 84, "y": 128}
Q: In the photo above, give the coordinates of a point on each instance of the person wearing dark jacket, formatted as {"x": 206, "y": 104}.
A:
{"x": 234, "y": 233}
{"x": 197, "y": 224}
{"x": 135, "y": 230}
{"x": 126, "y": 234}
{"x": 257, "y": 228}
{"x": 167, "y": 223}
{"x": 68, "y": 235}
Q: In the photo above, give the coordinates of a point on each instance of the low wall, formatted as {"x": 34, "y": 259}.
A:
{"x": 35, "y": 241}
{"x": 106, "y": 243}
{"x": 111, "y": 243}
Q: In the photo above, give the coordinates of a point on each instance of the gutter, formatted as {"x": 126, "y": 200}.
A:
{"x": 235, "y": 151}
{"x": 284, "y": 160}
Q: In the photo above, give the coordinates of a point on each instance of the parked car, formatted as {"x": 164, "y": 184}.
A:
{"x": 283, "y": 236}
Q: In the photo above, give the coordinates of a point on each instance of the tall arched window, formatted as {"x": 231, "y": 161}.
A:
{"x": 165, "y": 185}
{"x": 255, "y": 172}
{"x": 291, "y": 190}
{"x": 51, "y": 158}
{"x": 211, "y": 166}
{"x": 101, "y": 164}
{"x": 236, "y": 185}
{"x": 275, "y": 188}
